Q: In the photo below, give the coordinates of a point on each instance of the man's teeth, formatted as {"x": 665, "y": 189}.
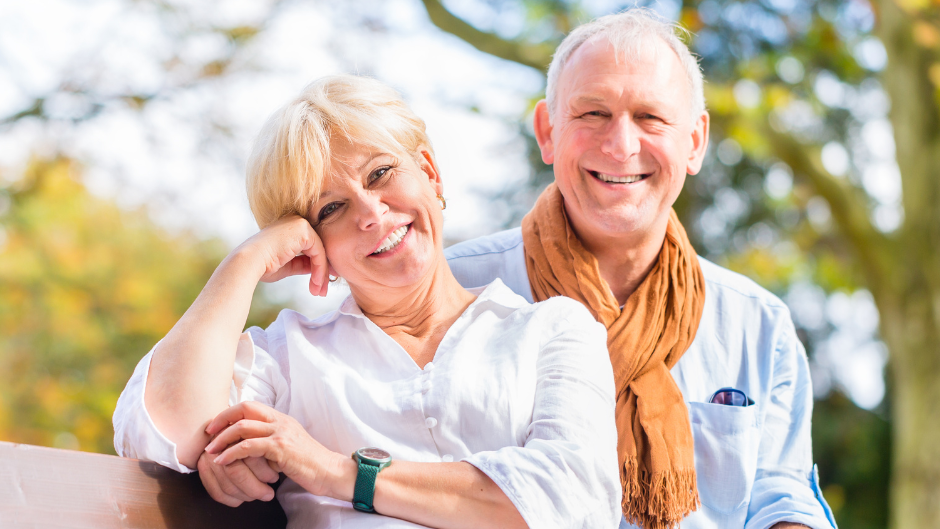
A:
{"x": 392, "y": 240}
{"x": 619, "y": 179}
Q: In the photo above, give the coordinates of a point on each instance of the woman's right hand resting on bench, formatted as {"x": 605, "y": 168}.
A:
{"x": 240, "y": 481}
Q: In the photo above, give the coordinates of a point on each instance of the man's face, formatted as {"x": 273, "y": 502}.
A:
{"x": 622, "y": 138}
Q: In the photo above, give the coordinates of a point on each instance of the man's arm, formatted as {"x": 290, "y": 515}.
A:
{"x": 784, "y": 492}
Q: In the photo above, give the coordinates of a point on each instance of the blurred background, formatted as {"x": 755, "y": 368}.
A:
{"x": 125, "y": 125}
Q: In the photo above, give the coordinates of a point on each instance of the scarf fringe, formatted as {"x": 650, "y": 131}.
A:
{"x": 660, "y": 501}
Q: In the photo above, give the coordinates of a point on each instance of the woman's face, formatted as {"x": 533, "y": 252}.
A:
{"x": 379, "y": 217}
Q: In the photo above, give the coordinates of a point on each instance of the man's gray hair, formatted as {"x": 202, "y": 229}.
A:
{"x": 629, "y": 33}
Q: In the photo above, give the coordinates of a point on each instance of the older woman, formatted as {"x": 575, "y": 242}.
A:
{"x": 461, "y": 408}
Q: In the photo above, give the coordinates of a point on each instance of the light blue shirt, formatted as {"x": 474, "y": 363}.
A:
{"x": 754, "y": 464}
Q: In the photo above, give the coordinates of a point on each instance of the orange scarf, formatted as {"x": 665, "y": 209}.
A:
{"x": 645, "y": 339}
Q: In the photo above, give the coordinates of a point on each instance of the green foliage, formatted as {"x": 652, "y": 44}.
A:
{"x": 855, "y": 445}
{"x": 86, "y": 289}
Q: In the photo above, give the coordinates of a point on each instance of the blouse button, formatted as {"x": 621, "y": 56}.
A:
{"x": 429, "y": 366}
{"x": 447, "y": 458}
{"x": 430, "y": 422}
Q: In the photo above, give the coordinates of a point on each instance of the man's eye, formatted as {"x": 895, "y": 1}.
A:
{"x": 379, "y": 173}
{"x": 592, "y": 114}
{"x": 327, "y": 210}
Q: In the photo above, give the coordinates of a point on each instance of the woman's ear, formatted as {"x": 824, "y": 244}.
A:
{"x": 429, "y": 166}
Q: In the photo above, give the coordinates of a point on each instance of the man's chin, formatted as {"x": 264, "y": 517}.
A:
{"x": 619, "y": 220}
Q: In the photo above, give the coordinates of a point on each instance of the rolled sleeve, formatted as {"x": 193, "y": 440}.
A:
{"x": 255, "y": 378}
{"x": 784, "y": 487}
{"x": 566, "y": 474}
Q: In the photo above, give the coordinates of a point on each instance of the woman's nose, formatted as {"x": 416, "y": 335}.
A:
{"x": 369, "y": 208}
{"x": 621, "y": 139}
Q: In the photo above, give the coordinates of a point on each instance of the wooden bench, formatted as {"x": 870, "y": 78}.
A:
{"x": 51, "y": 488}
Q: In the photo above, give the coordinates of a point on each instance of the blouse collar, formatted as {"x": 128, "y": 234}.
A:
{"x": 495, "y": 292}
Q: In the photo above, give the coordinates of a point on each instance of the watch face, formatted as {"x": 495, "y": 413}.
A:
{"x": 374, "y": 454}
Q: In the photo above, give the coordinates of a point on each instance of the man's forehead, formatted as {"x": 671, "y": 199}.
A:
{"x": 599, "y": 60}
{"x": 643, "y": 52}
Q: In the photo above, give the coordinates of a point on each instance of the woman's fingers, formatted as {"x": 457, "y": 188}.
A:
{"x": 262, "y": 469}
{"x": 298, "y": 266}
{"x": 257, "y": 447}
{"x": 243, "y": 410}
{"x": 210, "y": 481}
{"x": 318, "y": 267}
{"x": 243, "y": 429}
{"x": 240, "y": 476}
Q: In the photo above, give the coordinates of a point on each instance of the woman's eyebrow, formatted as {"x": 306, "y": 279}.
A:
{"x": 367, "y": 162}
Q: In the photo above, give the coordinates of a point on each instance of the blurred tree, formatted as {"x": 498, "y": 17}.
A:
{"x": 86, "y": 289}
{"x": 808, "y": 100}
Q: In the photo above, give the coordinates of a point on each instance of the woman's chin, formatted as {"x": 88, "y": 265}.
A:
{"x": 394, "y": 273}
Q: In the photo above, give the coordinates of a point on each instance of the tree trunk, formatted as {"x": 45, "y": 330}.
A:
{"x": 909, "y": 330}
{"x": 909, "y": 301}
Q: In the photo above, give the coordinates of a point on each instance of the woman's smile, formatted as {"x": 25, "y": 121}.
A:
{"x": 393, "y": 242}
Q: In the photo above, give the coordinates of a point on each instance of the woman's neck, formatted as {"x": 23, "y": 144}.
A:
{"x": 417, "y": 316}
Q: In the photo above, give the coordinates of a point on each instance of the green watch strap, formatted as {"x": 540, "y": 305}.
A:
{"x": 364, "y": 492}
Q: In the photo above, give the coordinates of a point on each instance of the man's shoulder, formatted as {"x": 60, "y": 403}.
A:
{"x": 497, "y": 243}
{"x": 733, "y": 286}
{"x": 479, "y": 261}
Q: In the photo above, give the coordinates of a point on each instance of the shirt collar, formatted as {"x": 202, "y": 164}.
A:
{"x": 495, "y": 292}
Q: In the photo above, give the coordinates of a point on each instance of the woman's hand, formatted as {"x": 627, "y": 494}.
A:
{"x": 251, "y": 429}
{"x": 244, "y": 480}
{"x": 288, "y": 247}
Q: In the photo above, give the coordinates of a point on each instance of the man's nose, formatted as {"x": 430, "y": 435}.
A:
{"x": 621, "y": 139}
{"x": 369, "y": 209}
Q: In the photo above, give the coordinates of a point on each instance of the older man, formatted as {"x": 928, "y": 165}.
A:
{"x": 714, "y": 397}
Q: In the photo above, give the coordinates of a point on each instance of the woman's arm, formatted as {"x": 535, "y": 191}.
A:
{"x": 191, "y": 370}
{"x": 444, "y": 495}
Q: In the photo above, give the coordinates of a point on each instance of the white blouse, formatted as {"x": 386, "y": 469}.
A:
{"x": 523, "y": 392}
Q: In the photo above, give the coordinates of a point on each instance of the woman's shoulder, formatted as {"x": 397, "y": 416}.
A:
{"x": 290, "y": 322}
{"x": 552, "y": 316}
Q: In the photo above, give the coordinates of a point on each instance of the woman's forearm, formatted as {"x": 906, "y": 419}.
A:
{"x": 191, "y": 369}
{"x": 444, "y": 495}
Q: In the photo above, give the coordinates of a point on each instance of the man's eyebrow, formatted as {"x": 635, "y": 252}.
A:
{"x": 588, "y": 98}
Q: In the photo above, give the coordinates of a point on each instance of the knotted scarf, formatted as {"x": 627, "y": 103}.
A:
{"x": 645, "y": 339}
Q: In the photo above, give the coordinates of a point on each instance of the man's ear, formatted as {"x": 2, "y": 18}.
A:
{"x": 543, "y": 132}
{"x": 429, "y": 166}
{"x": 699, "y": 144}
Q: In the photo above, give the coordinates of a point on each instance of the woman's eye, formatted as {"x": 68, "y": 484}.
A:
{"x": 379, "y": 173}
{"x": 327, "y": 210}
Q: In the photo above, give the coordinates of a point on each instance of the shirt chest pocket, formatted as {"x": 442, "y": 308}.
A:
{"x": 726, "y": 439}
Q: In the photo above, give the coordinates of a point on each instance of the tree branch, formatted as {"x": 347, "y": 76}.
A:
{"x": 847, "y": 204}
{"x": 535, "y": 55}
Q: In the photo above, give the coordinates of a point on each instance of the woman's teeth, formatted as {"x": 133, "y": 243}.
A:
{"x": 392, "y": 240}
{"x": 619, "y": 179}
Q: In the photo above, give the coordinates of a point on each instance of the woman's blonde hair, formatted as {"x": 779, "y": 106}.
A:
{"x": 291, "y": 156}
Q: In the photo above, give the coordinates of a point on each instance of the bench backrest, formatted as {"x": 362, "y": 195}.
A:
{"x": 46, "y": 487}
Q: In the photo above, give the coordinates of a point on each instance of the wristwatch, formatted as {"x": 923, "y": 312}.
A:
{"x": 371, "y": 460}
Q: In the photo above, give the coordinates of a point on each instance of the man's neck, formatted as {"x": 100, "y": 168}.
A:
{"x": 624, "y": 260}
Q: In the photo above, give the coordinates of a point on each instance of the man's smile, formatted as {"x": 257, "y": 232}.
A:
{"x": 618, "y": 179}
